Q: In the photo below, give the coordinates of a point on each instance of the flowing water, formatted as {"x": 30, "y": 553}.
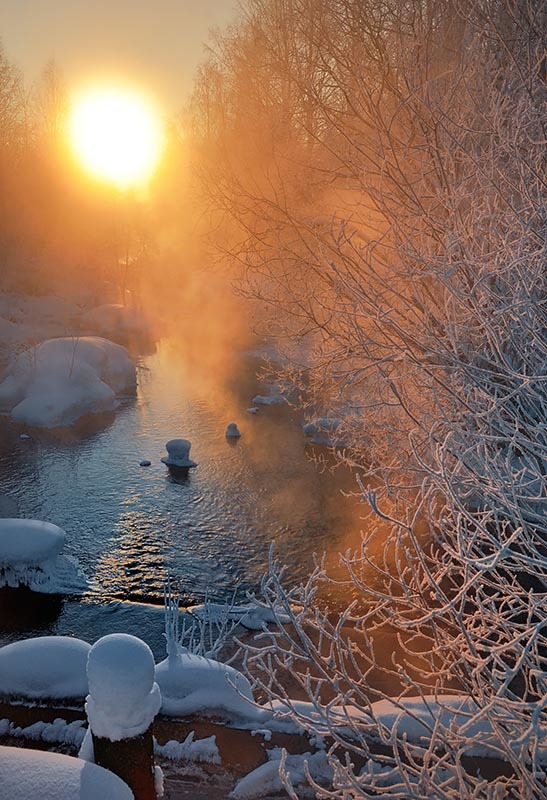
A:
{"x": 130, "y": 527}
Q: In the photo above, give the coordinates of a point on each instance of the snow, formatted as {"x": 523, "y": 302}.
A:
{"x": 115, "y": 321}
{"x": 57, "y": 732}
{"x": 196, "y": 750}
{"x": 178, "y": 453}
{"x": 48, "y": 667}
{"x": 52, "y": 776}
{"x": 254, "y": 616}
{"x": 190, "y": 684}
{"x": 30, "y": 555}
{"x": 60, "y": 380}
{"x": 123, "y": 697}
{"x": 253, "y": 410}
{"x": 232, "y": 430}
{"x": 266, "y": 778}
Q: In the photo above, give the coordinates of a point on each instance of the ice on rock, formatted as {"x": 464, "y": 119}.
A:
{"x": 48, "y": 667}
{"x": 190, "y": 684}
{"x": 60, "y": 380}
{"x": 52, "y": 776}
{"x": 29, "y": 550}
{"x": 123, "y": 697}
{"x": 178, "y": 453}
{"x": 232, "y": 431}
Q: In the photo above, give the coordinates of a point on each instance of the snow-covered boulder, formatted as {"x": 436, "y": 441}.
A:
{"x": 115, "y": 321}
{"x": 49, "y": 667}
{"x": 28, "y": 774}
{"x": 60, "y": 380}
{"x": 178, "y": 453}
{"x": 123, "y": 698}
{"x": 232, "y": 431}
{"x": 190, "y": 684}
{"x": 323, "y": 430}
{"x": 29, "y": 549}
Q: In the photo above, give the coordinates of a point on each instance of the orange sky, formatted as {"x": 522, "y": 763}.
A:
{"x": 155, "y": 43}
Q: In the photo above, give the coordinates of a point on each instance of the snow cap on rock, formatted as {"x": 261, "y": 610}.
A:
{"x": 178, "y": 453}
{"x": 123, "y": 696}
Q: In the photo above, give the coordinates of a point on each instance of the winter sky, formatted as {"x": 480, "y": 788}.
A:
{"x": 155, "y": 43}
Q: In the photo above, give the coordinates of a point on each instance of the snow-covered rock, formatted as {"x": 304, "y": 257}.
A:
{"x": 323, "y": 431}
{"x": 29, "y": 550}
{"x": 178, "y": 453}
{"x": 28, "y": 774}
{"x": 232, "y": 431}
{"x": 190, "y": 684}
{"x": 60, "y": 380}
{"x": 254, "y": 616}
{"x": 48, "y": 667}
{"x": 123, "y": 698}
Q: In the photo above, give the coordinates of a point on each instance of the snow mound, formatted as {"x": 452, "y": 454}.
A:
{"x": 266, "y": 779}
{"x": 48, "y": 667}
{"x": 52, "y": 776}
{"x": 115, "y": 321}
{"x": 60, "y": 380}
{"x": 178, "y": 453}
{"x": 29, "y": 551}
{"x": 190, "y": 684}
{"x": 196, "y": 750}
{"x": 123, "y": 697}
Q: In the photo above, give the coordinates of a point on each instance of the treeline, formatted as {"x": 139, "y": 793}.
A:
{"x": 376, "y": 174}
{"x": 60, "y": 230}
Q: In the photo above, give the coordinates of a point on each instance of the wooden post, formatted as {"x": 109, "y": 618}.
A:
{"x": 121, "y": 705}
{"x": 131, "y": 759}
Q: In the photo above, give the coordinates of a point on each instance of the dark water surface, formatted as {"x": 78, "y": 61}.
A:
{"x": 130, "y": 527}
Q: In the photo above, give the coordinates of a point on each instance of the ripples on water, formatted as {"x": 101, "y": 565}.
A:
{"x": 130, "y": 527}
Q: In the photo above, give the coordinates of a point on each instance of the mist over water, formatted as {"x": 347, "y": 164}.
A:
{"x": 130, "y": 527}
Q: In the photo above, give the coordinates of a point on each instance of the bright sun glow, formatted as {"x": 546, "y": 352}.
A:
{"x": 116, "y": 135}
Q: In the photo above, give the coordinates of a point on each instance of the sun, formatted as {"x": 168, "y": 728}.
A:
{"x": 116, "y": 134}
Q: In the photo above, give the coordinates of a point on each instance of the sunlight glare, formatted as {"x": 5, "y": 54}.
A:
{"x": 116, "y": 134}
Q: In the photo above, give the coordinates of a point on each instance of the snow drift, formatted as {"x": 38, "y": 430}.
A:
{"x": 45, "y": 668}
{"x": 60, "y": 380}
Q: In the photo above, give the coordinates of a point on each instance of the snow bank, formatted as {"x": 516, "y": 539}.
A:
{"x": 60, "y": 380}
{"x": 190, "y": 684}
{"x": 57, "y": 732}
{"x": 265, "y": 780}
{"x": 123, "y": 697}
{"x": 115, "y": 321}
{"x": 196, "y": 750}
{"x": 52, "y": 776}
{"x": 48, "y": 667}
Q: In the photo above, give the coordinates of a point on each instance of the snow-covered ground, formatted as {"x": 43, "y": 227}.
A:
{"x": 52, "y": 776}
{"x": 60, "y": 380}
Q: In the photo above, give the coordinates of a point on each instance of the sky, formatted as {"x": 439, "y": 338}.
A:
{"x": 154, "y": 44}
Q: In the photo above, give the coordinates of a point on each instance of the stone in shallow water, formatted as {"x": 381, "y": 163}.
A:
{"x": 232, "y": 430}
{"x": 178, "y": 453}
{"x": 145, "y": 463}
